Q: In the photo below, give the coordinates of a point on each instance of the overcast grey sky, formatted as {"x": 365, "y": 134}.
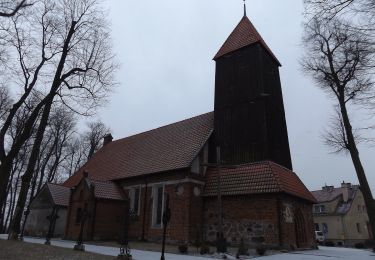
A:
{"x": 167, "y": 74}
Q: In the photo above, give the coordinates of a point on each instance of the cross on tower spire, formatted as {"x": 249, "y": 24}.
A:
{"x": 244, "y": 7}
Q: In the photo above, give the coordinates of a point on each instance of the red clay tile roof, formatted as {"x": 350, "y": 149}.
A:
{"x": 256, "y": 178}
{"x": 107, "y": 190}
{"x": 166, "y": 148}
{"x": 243, "y": 35}
{"x": 60, "y": 194}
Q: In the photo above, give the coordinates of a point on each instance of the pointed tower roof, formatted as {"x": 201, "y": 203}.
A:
{"x": 243, "y": 35}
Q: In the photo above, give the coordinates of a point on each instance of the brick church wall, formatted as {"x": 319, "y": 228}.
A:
{"x": 105, "y": 217}
{"x": 186, "y": 214}
{"x": 78, "y": 198}
{"x": 109, "y": 220}
{"x": 288, "y": 228}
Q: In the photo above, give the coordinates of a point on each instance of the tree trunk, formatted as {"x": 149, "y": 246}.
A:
{"x": 27, "y": 177}
{"x": 5, "y": 172}
{"x": 364, "y": 186}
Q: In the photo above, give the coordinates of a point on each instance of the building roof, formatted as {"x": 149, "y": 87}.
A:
{"x": 59, "y": 193}
{"x": 243, "y": 35}
{"x": 163, "y": 149}
{"x": 256, "y": 178}
{"x": 106, "y": 190}
{"x": 330, "y": 193}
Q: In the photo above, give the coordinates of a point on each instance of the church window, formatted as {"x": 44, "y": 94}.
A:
{"x": 134, "y": 199}
{"x": 359, "y": 228}
{"x": 158, "y": 205}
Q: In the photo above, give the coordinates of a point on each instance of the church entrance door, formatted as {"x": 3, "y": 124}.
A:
{"x": 300, "y": 229}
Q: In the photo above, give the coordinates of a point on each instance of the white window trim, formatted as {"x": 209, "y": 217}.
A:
{"x": 154, "y": 206}
{"x": 132, "y": 193}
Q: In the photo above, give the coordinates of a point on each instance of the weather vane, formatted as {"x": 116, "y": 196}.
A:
{"x": 244, "y": 7}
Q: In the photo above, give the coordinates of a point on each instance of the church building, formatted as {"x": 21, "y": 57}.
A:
{"x": 240, "y": 151}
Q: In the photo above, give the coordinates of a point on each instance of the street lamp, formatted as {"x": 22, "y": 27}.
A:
{"x": 80, "y": 246}
{"x": 124, "y": 248}
{"x": 51, "y": 228}
{"x": 221, "y": 242}
{"x": 166, "y": 219}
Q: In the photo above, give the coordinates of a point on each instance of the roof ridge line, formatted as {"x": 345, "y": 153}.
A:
{"x": 201, "y": 147}
{"x": 157, "y": 128}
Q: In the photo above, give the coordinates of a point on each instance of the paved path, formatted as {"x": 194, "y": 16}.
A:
{"x": 114, "y": 251}
{"x": 324, "y": 253}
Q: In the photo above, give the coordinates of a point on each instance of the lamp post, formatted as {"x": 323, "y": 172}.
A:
{"x": 166, "y": 219}
{"x": 51, "y": 228}
{"x": 124, "y": 248}
{"x": 80, "y": 246}
{"x": 221, "y": 244}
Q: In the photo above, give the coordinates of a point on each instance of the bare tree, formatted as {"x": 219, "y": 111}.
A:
{"x": 5, "y": 102}
{"x": 18, "y": 167}
{"x": 360, "y": 13}
{"x": 340, "y": 60}
{"x": 81, "y": 76}
{"x": 76, "y": 156}
{"x": 10, "y": 8}
{"x": 94, "y": 136}
{"x": 54, "y": 149}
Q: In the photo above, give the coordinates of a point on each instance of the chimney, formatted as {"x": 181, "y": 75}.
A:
{"x": 346, "y": 187}
{"x": 107, "y": 139}
{"x": 328, "y": 188}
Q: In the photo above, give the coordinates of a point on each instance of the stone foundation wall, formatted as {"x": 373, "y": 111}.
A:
{"x": 245, "y": 217}
{"x": 269, "y": 216}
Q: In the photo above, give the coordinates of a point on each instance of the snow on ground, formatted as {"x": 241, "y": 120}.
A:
{"x": 114, "y": 251}
{"x": 323, "y": 253}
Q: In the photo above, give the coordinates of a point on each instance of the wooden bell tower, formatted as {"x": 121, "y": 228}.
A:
{"x": 249, "y": 112}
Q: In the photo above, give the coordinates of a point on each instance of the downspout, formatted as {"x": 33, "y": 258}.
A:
{"x": 343, "y": 228}
{"x": 144, "y": 212}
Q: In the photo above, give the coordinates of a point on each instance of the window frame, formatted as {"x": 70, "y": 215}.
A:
{"x": 132, "y": 197}
{"x": 155, "y": 204}
{"x": 319, "y": 208}
{"x": 358, "y": 226}
{"x": 325, "y": 228}
{"x": 317, "y": 226}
